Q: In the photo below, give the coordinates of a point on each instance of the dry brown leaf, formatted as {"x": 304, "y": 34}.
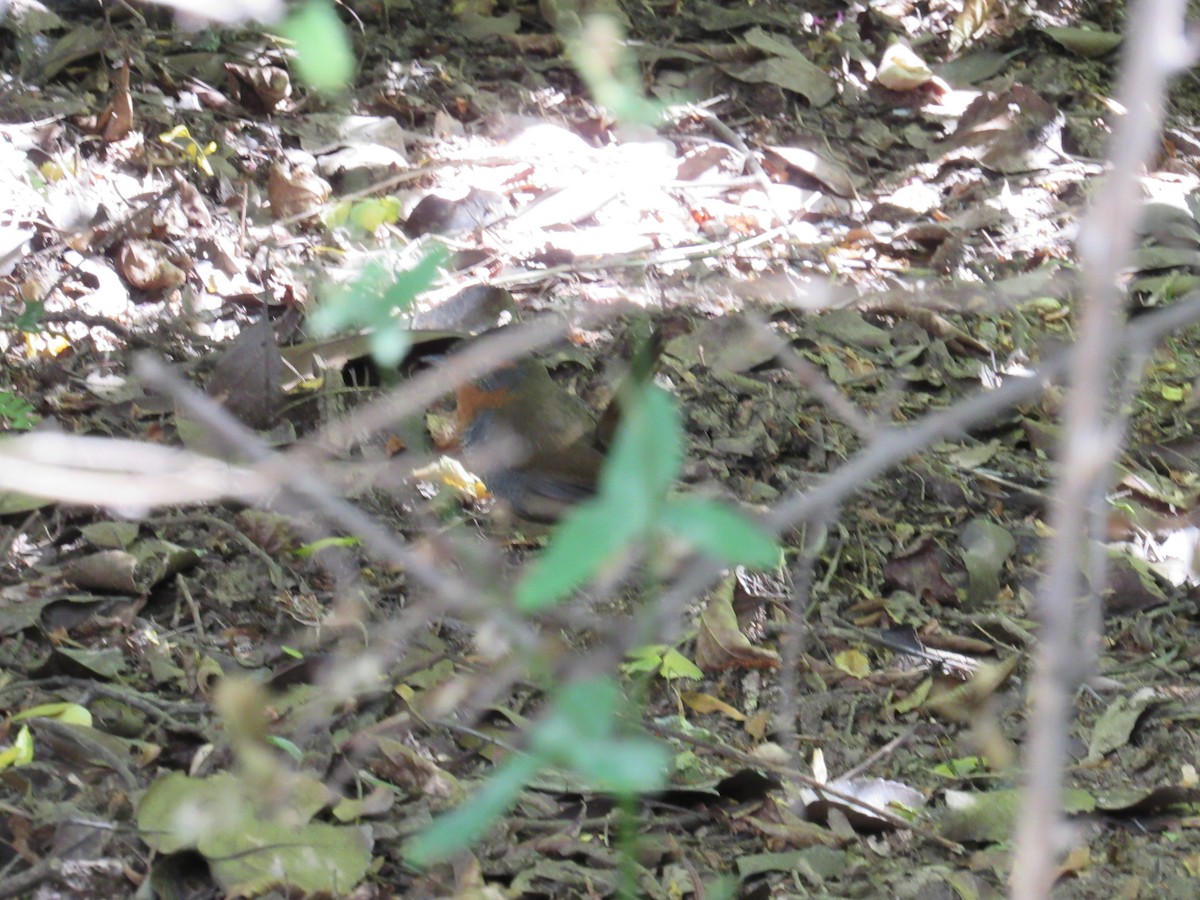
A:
{"x": 117, "y": 119}
{"x": 247, "y": 378}
{"x": 720, "y": 644}
{"x": 1013, "y": 131}
{"x": 829, "y": 172}
{"x": 295, "y": 190}
{"x": 270, "y": 84}
{"x": 148, "y": 265}
{"x": 969, "y": 23}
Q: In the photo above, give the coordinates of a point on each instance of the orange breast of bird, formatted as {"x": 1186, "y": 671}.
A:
{"x": 557, "y": 464}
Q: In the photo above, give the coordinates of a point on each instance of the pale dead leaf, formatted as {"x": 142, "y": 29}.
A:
{"x": 706, "y": 704}
{"x": 148, "y": 265}
{"x": 719, "y": 642}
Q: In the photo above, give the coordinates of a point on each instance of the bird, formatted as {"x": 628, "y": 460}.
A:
{"x": 561, "y": 443}
{"x": 558, "y": 458}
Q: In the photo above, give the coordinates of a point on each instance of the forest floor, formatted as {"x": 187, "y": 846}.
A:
{"x": 274, "y": 695}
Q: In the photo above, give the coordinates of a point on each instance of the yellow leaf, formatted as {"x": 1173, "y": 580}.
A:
{"x": 676, "y": 665}
{"x": 45, "y": 345}
{"x": 20, "y": 753}
{"x": 454, "y": 475}
{"x": 707, "y": 703}
{"x": 176, "y": 133}
{"x": 853, "y": 663}
{"x": 70, "y": 713}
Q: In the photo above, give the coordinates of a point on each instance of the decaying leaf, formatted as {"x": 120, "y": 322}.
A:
{"x": 248, "y": 376}
{"x": 720, "y": 644}
{"x": 707, "y": 703}
{"x": 150, "y": 265}
{"x": 1015, "y": 131}
{"x": 454, "y": 475}
{"x": 269, "y": 86}
{"x": 785, "y": 66}
{"x": 902, "y": 70}
{"x": 295, "y": 190}
{"x": 970, "y": 21}
{"x": 117, "y": 119}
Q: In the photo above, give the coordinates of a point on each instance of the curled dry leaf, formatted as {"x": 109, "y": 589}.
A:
{"x": 970, "y": 23}
{"x": 902, "y": 70}
{"x": 455, "y": 476}
{"x": 702, "y": 703}
{"x": 720, "y": 644}
{"x": 858, "y": 800}
{"x": 117, "y": 119}
{"x": 295, "y": 190}
{"x": 148, "y": 266}
{"x": 270, "y": 84}
{"x": 193, "y": 205}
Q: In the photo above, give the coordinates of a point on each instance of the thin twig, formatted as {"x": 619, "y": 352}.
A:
{"x": 1092, "y": 436}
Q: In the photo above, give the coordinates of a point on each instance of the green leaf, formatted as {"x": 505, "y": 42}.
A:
{"x": 646, "y": 456}
{"x": 288, "y": 747}
{"x": 310, "y": 550}
{"x": 250, "y": 852}
{"x": 30, "y": 319}
{"x": 590, "y": 707}
{"x": 70, "y": 713}
{"x": 389, "y": 346}
{"x": 16, "y": 413}
{"x": 577, "y": 736}
{"x": 20, "y": 753}
{"x": 676, "y": 665}
{"x": 646, "y": 658}
{"x": 324, "y": 57}
{"x": 409, "y": 285}
{"x": 372, "y": 301}
{"x": 469, "y": 822}
{"x": 368, "y": 215}
{"x": 1172, "y": 393}
{"x": 583, "y": 542}
{"x": 345, "y": 305}
{"x": 961, "y": 767}
{"x": 602, "y": 58}
{"x": 721, "y": 531}
{"x": 623, "y": 766}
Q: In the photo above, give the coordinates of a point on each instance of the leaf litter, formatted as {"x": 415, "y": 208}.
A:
{"x": 899, "y": 246}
